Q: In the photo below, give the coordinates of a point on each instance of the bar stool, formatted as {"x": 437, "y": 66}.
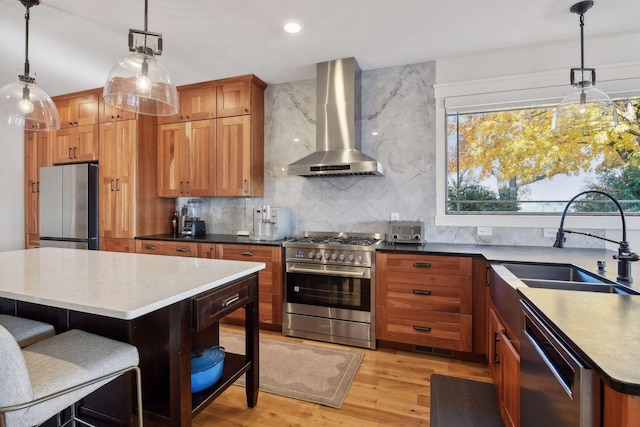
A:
{"x": 26, "y": 331}
{"x": 41, "y": 380}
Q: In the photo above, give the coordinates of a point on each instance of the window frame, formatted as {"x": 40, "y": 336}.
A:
{"x": 619, "y": 80}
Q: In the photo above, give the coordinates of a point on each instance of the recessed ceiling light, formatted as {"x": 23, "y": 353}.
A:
{"x": 293, "y": 26}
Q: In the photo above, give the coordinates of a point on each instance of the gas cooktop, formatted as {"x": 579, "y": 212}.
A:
{"x": 336, "y": 238}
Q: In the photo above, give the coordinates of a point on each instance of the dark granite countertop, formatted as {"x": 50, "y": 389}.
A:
{"x": 603, "y": 330}
{"x": 212, "y": 238}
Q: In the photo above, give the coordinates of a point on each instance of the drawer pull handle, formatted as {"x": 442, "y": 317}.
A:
{"x": 421, "y": 292}
{"x": 422, "y": 328}
{"x": 230, "y": 300}
{"x": 181, "y": 249}
{"x": 247, "y": 253}
{"x": 151, "y": 247}
{"x": 422, "y": 264}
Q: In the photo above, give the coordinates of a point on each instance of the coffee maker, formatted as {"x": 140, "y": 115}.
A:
{"x": 271, "y": 223}
{"x": 190, "y": 222}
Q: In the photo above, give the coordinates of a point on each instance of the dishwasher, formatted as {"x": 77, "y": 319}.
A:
{"x": 556, "y": 387}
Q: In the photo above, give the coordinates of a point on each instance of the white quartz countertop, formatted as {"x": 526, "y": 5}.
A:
{"x": 119, "y": 285}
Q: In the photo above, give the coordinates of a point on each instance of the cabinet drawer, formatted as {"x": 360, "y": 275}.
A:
{"x": 210, "y": 307}
{"x": 425, "y": 328}
{"x": 257, "y": 253}
{"x": 425, "y": 264}
{"x": 451, "y": 294}
{"x": 166, "y": 248}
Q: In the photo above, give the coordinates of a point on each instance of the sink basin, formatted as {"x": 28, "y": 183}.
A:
{"x": 574, "y": 286}
{"x": 561, "y": 272}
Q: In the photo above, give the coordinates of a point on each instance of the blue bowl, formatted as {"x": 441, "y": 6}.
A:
{"x": 206, "y": 368}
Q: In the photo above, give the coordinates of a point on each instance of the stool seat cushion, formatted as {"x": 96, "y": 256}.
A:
{"x": 26, "y": 331}
{"x": 66, "y": 360}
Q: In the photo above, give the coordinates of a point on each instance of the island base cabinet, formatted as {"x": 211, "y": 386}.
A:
{"x": 620, "y": 409}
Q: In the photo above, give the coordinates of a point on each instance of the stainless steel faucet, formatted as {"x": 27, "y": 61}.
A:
{"x": 625, "y": 255}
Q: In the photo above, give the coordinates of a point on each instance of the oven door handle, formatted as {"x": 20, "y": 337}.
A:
{"x": 295, "y": 269}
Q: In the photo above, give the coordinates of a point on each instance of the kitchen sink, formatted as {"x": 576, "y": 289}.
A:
{"x": 553, "y": 272}
{"x": 564, "y": 277}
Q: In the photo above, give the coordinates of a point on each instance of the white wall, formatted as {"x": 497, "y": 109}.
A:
{"x": 11, "y": 189}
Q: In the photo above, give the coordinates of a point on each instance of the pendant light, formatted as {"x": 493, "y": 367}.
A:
{"x": 586, "y": 109}
{"x": 138, "y": 82}
{"x": 23, "y": 104}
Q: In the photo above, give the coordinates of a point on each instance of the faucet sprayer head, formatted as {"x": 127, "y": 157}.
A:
{"x": 560, "y": 239}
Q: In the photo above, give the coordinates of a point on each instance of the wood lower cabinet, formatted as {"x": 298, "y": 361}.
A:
{"x": 270, "y": 279}
{"x": 129, "y": 205}
{"x": 424, "y": 300}
{"x": 504, "y": 366}
{"x": 159, "y": 247}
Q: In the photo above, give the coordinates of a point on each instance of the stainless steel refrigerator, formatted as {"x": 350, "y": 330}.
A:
{"x": 69, "y": 206}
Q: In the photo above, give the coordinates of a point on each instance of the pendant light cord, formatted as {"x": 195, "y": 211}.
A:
{"x": 26, "y": 46}
{"x": 582, "y": 44}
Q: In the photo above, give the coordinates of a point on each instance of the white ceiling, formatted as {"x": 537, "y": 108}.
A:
{"x": 74, "y": 43}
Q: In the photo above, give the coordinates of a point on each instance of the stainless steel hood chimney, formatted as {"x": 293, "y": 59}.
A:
{"x": 338, "y": 125}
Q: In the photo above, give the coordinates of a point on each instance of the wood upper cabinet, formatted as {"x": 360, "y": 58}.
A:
{"x": 109, "y": 113}
{"x": 240, "y": 158}
{"x": 425, "y": 300}
{"x": 76, "y": 144}
{"x": 197, "y": 102}
{"x": 186, "y": 159}
{"x": 36, "y": 155}
{"x": 78, "y": 109}
{"x": 117, "y": 178}
{"x": 234, "y": 99}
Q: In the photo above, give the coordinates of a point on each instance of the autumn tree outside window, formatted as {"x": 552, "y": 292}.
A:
{"x": 507, "y": 161}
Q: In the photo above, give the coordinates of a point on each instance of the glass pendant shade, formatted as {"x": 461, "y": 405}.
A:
{"x": 139, "y": 83}
{"x": 584, "y": 111}
{"x": 24, "y": 105}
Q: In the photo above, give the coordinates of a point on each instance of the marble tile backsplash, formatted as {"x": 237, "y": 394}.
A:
{"x": 398, "y": 129}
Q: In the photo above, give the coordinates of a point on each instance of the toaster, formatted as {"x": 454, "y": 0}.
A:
{"x": 406, "y": 232}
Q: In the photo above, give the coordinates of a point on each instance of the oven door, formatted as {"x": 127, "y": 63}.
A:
{"x": 331, "y": 291}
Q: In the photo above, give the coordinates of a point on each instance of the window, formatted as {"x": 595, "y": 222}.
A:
{"x": 507, "y": 161}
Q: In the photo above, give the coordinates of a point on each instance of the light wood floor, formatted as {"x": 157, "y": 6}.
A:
{"x": 391, "y": 388}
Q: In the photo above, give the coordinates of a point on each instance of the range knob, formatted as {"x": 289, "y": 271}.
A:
{"x": 341, "y": 257}
{"x": 351, "y": 258}
{"x": 334, "y": 256}
{"x": 311, "y": 254}
{"x": 359, "y": 259}
{"x": 319, "y": 255}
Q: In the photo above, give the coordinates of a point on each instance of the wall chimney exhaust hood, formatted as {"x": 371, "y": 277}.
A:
{"x": 338, "y": 124}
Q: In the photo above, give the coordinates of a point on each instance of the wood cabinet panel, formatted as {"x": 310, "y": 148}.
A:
{"x": 109, "y": 113}
{"x": 234, "y": 99}
{"x": 197, "y": 102}
{"x": 76, "y": 144}
{"x": 620, "y": 409}
{"x": 78, "y": 109}
{"x": 234, "y": 156}
{"x": 117, "y": 245}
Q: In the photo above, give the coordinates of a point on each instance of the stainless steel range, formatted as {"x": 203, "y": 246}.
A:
{"x": 329, "y": 290}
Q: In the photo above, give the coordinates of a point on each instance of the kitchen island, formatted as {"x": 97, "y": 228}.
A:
{"x": 166, "y": 306}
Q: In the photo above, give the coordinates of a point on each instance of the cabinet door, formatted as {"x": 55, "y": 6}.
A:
{"x": 37, "y": 155}
{"x": 108, "y": 175}
{"x": 109, "y": 113}
{"x": 495, "y": 367}
{"x": 198, "y": 104}
{"x": 171, "y": 159}
{"x": 510, "y": 396}
{"x": 62, "y": 149}
{"x": 234, "y": 156}
{"x": 85, "y": 109}
{"x": 125, "y": 181}
{"x": 85, "y": 148}
{"x": 234, "y": 99}
{"x": 200, "y": 155}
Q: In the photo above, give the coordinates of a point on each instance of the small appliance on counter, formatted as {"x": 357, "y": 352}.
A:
{"x": 190, "y": 222}
{"x": 271, "y": 223}
{"x": 406, "y": 232}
